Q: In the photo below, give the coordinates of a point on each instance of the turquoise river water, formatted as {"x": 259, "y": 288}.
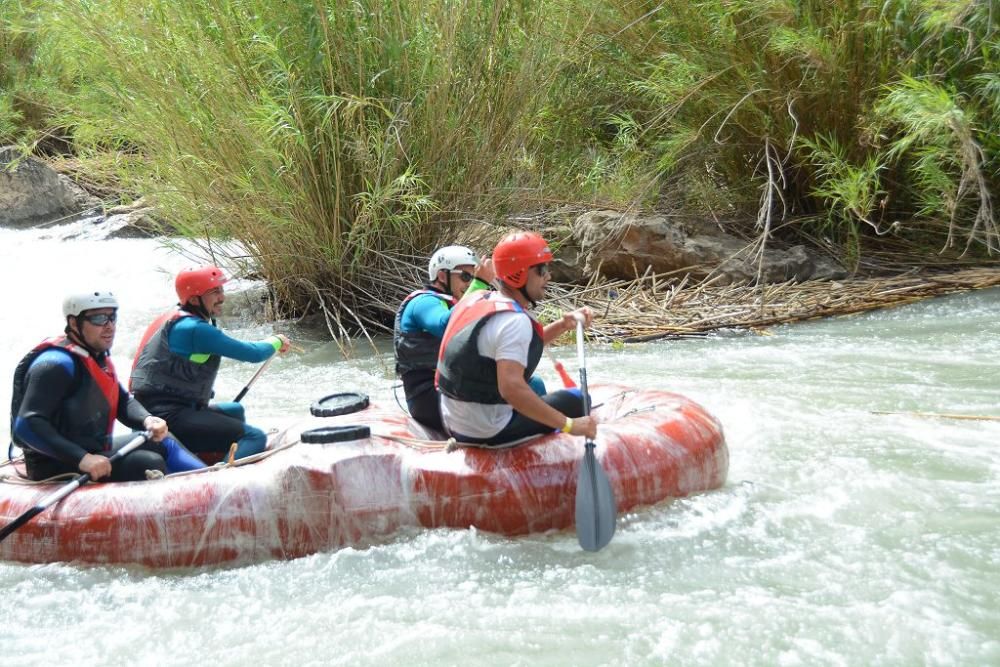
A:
{"x": 842, "y": 537}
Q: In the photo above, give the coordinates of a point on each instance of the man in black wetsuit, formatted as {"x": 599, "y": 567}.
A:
{"x": 66, "y": 398}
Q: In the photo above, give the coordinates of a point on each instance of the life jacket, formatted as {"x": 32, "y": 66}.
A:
{"x": 159, "y": 374}
{"x": 463, "y": 373}
{"x": 87, "y": 413}
{"x": 417, "y": 350}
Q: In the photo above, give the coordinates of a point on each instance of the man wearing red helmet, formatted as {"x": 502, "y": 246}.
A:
{"x": 491, "y": 347}
{"x": 178, "y": 360}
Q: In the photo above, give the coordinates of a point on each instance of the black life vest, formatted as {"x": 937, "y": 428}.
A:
{"x": 416, "y": 350}
{"x": 87, "y": 413}
{"x": 463, "y": 373}
{"x": 159, "y": 374}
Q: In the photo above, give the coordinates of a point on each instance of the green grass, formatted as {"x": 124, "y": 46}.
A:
{"x": 337, "y": 142}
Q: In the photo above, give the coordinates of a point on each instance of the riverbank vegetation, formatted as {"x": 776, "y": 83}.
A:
{"x": 338, "y": 142}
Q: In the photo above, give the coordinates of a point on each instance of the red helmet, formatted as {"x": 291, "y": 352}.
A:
{"x": 517, "y": 252}
{"x": 196, "y": 281}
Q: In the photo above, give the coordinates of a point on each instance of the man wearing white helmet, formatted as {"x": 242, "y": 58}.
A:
{"x": 66, "y": 398}
{"x": 421, "y": 321}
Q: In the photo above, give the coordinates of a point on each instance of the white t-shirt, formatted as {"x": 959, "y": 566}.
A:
{"x": 506, "y": 336}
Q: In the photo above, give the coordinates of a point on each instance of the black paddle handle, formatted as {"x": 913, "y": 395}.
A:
{"x": 68, "y": 488}
{"x": 20, "y": 521}
{"x": 243, "y": 392}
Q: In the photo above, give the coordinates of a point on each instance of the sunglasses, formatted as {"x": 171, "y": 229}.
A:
{"x": 464, "y": 276}
{"x": 100, "y": 319}
{"x": 541, "y": 269}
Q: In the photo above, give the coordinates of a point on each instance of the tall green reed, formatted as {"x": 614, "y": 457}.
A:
{"x": 800, "y": 109}
{"x": 333, "y": 139}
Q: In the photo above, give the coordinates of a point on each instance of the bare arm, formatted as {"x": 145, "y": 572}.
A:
{"x": 513, "y": 388}
{"x": 566, "y": 323}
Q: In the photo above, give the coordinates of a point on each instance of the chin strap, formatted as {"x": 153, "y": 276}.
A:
{"x": 198, "y": 310}
{"x": 76, "y": 335}
{"x": 524, "y": 292}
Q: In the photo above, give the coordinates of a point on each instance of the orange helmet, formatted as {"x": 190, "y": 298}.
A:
{"x": 196, "y": 281}
{"x": 516, "y": 253}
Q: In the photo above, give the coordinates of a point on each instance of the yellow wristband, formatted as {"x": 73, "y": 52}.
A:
{"x": 568, "y": 426}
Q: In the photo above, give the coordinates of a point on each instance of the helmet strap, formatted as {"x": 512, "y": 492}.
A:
{"x": 438, "y": 287}
{"x": 198, "y": 310}
{"x": 76, "y": 335}
{"x": 523, "y": 289}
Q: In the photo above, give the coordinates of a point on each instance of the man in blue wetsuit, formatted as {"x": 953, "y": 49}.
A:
{"x": 67, "y": 397}
{"x": 178, "y": 360}
{"x": 420, "y": 323}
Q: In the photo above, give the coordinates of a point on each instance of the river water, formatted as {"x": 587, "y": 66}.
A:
{"x": 842, "y": 537}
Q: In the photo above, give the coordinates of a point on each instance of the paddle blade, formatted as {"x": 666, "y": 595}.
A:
{"x": 595, "y": 504}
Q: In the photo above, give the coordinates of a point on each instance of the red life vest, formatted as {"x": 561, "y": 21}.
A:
{"x": 463, "y": 373}
{"x": 105, "y": 378}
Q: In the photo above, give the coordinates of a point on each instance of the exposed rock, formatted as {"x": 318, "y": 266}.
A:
{"x": 83, "y": 201}
{"x": 32, "y": 193}
{"x": 626, "y": 246}
{"x": 122, "y": 209}
{"x": 134, "y": 224}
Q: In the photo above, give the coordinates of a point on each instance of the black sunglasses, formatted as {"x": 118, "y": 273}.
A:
{"x": 100, "y": 319}
{"x": 541, "y": 269}
{"x": 464, "y": 276}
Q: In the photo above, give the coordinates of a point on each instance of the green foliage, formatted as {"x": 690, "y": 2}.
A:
{"x": 337, "y": 140}
{"x": 817, "y": 101}
{"x": 330, "y": 138}
{"x": 851, "y": 192}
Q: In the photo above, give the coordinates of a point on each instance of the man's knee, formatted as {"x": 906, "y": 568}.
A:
{"x": 567, "y": 401}
{"x": 134, "y": 465}
{"x": 254, "y": 441}
{"x": 234, "y": 410}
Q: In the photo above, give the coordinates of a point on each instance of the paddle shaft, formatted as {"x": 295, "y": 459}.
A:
{"x": 940, "y": 415}
{"x": 596, "y": 513}
{"x": 263, "y": 367}
{"x": 589, "y": 444}
{"x": 64, "y": 491}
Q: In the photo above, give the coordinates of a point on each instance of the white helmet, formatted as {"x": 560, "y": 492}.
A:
{"x": 74, "y": 304}
{"x": 448, "y": 258}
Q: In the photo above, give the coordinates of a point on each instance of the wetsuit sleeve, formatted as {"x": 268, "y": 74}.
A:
{"x": 426, "y": 313}
{"x": 48, "y": 381}
{"x": 476, "y": 285}
{"x": 192, "y": 336}
{"x": 130, "y": 411}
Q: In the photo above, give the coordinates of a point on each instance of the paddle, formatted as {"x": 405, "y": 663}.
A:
{"x": 263, "y": 366}
{"x": 595, "y": 502}
{"x": 77, "y": 482}
{"x": 561, "y": 370}
{"x": 940, "y": 415}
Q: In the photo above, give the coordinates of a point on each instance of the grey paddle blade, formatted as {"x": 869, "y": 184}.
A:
{"x": 595, "y": 504}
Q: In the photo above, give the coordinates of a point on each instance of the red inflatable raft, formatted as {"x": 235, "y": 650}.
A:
{"x": 306, "y": 498}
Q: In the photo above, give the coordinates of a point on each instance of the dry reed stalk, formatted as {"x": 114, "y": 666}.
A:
{"x": 650, "y": 307}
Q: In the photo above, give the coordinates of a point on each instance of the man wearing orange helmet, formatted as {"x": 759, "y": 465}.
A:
{"x": 178, "y": 360}
{"x": 491, "y": 347}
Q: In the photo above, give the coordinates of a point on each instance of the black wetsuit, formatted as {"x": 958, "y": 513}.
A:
{"x": 63, "y": 415}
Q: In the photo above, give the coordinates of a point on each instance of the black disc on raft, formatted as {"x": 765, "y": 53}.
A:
{"x": 325, "y": 434}
{"x": 339, "y": 404}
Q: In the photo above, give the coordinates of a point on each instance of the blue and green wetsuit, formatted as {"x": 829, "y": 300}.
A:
{"x": 174, "y": 373}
